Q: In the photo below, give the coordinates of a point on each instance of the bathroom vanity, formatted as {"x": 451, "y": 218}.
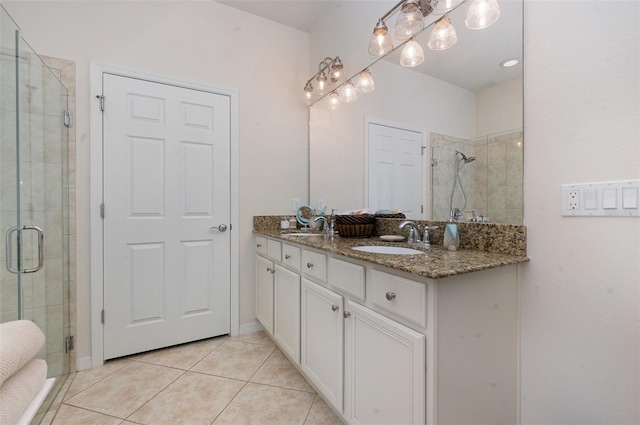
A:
{"x": 394, "y": 339}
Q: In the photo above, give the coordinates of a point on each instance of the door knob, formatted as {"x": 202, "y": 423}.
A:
{"x": 221, "y": 228}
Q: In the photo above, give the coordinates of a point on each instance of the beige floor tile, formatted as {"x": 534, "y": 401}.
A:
{"x": 260, "y": 337}
{"x": 233, "y": 359}
{"x": 69, "y": 415}
{"x": 193, "y": 399}
{"x": 321, "y": 414}
{"x": 183, "y": 356}
{"x": 86, "y": 378}
{"x": 126, "y": 390}
{"x": 279, "y": 371}
{"x": 266, "y": 405}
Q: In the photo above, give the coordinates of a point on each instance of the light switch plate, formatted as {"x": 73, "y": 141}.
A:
{"x": 606, "y": 199}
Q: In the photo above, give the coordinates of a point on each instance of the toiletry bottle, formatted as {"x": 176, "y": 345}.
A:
{"x": 451, "y": 235}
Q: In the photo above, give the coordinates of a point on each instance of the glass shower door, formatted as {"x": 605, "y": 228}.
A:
{"x": 34, "y": 281}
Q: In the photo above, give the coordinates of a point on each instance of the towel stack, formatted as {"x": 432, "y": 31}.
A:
{"x": 21, "y": 376}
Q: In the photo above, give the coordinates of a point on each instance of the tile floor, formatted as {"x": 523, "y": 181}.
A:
{"x": 239, "y": 380}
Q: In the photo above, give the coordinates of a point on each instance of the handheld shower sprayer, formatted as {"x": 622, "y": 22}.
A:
{"x": 456, "y": 213}
{"x": 465, "y": 158}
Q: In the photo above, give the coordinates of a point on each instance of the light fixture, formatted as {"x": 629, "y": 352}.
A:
{"x": 443, "y": 35}
{"x": 509, "y": 63}
{"x": 364, "y": 82}
{"x": 348, "y": 93}
{"x": 412, "y": 54}
{"x": 410, "y": 20}
{"x": 336, "y": 70}
{"x": 482, "y": 13}
{"x": 334, "y": 100}
{"x": 380, "y": 43}
{"x": 334, "y": 67}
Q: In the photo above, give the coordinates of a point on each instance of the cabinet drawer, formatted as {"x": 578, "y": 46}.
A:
{"x": 347, "y": 277}
{"x": 261, "y": 245}
{"x": 291, "y": 256}
{"x": 403, "y": 297}
{"x": 314, "y": 265}
{"x": 274, "y": 250}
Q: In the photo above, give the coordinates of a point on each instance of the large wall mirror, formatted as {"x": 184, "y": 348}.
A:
{"x": 444, "y": 135}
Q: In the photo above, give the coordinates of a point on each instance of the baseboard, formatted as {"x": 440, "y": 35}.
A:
{"x": 83, "y": 363}
{"x": 251, "y": 327}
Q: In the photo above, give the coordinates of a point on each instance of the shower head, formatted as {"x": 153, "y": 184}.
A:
{"x": 465, "y": 158}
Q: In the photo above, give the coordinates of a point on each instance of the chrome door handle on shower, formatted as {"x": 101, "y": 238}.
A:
{"x": 221, "y": 228}
{"x": 9, "y": 249}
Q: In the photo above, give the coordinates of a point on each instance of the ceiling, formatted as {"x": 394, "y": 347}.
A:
{"x": 299, "y": 14}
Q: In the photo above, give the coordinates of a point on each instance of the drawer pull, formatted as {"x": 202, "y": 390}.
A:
{"x": 259, "y": 245}
{"x": 346, "y": 314}
{"x": 335, "y": 307}
{"x": 390, "y": 296}
{"x": 309, "y": 265}
{"x": 287, "y": 257}
{"x": 270, "y": 270}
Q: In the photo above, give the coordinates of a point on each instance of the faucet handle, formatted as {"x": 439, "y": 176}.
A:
{"x": 425, "y": 239}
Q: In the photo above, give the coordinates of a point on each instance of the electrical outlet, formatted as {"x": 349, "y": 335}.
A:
{"x": 295, "y": 204}
{"x": 573, "y": 200}
{"x": 321, "y": 205}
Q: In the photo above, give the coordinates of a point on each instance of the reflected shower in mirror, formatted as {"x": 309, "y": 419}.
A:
{"x": 457, "y": 99}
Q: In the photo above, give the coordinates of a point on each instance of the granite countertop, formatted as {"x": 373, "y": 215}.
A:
{"x": 435, "y": 263}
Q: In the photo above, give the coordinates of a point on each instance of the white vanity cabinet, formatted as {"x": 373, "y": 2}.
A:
{"x": 384, "y": 369}
{"x": 286, "y": 311}
{"x": 322, "y": 338}
{"x": 388, "y": 347}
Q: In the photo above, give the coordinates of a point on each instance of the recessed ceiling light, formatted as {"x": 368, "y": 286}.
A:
{"x": 509, "y": 63}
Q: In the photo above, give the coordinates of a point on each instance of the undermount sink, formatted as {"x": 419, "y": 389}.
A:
{"x": 381, "y": 249}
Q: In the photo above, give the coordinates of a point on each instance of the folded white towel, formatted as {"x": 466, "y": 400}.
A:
{"x": 20, "y": 341}
{"x": 19, "y": 389}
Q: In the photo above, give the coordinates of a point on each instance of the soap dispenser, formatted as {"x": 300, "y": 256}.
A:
{"x": 451, "y": 235}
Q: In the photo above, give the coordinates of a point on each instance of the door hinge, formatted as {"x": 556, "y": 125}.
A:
{"x": 422, "y": 209}
{"x": 68, "y": 344}
{"x": 102, "y": 210}
{"x": 102, "y": 317}
{"x": 422, "y": 151}
{"x": 101, "y": 97}
{"x": 67, "y": 119}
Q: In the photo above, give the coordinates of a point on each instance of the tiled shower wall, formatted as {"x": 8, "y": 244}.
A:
{"x": 492, "y": 183}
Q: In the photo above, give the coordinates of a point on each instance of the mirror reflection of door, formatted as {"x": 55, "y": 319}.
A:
{"x": 396, "y": 168}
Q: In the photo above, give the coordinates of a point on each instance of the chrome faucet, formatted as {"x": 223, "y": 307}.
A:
{"x": 414, "y": 231}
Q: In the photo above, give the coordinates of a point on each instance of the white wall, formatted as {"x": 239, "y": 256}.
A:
{"x": 499, "y": 108}
{"x": 580, "y": 358}
{"x": 208, "y": 43}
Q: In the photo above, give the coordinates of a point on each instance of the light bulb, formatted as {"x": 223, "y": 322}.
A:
{"x": 322, "y": 82}
{"x": 380, "y": 42}
{"x": 443, "y": 35}
{"x": 348, "y": 93}
{"x": 412, "y": 54}
{"x": 308, "y": 90}
{"x": 336, "y": 70}
{"x": 364, "y": 82}
{"x": 482, "y": 13}
{"x": 410, "y": 20}
{"x": 334, "y": 100}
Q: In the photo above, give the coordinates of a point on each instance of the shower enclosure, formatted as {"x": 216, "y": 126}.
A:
{"x": 34, "y": 199}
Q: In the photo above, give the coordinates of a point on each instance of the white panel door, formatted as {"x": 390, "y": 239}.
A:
{"x": 166, "y": 191}
{"x": 395, "y": 169}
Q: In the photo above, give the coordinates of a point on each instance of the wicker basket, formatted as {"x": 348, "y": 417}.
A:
{"x": 396, "y": 215}
{"x": 355, "y": 226}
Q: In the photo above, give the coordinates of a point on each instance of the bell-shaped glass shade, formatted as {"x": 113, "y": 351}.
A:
{"x": 412, "y": 54}
{"x": 336, "y": 70}
{"x": 482, "y": 13}
{"x": 322, "y": 82}
{"x": 380, "y": 43}
{"x": 443, "y": 35}
{"x": 409, "y": 21}
{"x": 348, "y": 92}
{"x": 364, "y": 82}
{"x": 308, "y": 92}
{"x": 334, "y": 100}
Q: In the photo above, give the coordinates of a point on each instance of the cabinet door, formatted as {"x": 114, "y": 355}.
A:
{"x": 384, "y": 370}
{"x": 322, "y": 341}
{"x": 286, "y": 312}
{"x": 264, "y": 292}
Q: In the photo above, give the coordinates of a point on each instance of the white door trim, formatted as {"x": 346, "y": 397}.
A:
{"x": 96, "y": 198}
{"x": 426, "y": 160}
